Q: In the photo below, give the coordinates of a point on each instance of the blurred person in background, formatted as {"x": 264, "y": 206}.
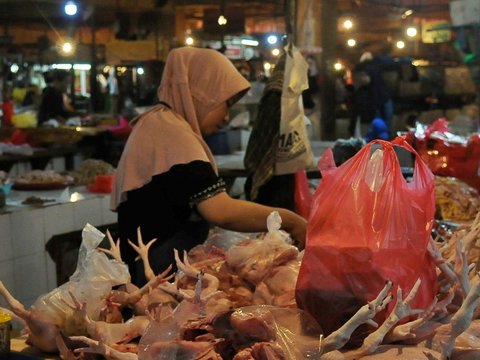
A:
{"x": 7, "y": 108}
{"x": 371, "y": 97}
{"x": 53, "y": 103}
{"x": 310, "y": 94}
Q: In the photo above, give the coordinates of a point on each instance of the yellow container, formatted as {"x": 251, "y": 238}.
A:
{"x": 5, "y": 328}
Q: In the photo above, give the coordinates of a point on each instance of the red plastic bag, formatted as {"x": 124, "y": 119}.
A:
{"x": 303, "y": 196}
{"x": 367, "y": 225}
{"x": 449, "y": 158}
{"x": 103, "y": 184}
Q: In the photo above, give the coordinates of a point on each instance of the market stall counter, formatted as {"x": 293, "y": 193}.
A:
{"x": 40, "y": 157}
{"x": 38, "y": 146}
{"x": 29, "y": 220}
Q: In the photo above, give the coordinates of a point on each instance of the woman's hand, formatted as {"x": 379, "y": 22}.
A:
{"x": 299, "y": 232}
{"x": 246, "y": 216}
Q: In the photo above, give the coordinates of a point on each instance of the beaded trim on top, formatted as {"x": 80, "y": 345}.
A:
{"x": 212, "y": 190}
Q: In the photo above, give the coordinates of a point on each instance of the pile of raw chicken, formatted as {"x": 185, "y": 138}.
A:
{"x": 239, "y": 303}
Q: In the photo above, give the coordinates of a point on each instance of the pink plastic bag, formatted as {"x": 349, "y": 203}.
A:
{"x": 367, "y": 225}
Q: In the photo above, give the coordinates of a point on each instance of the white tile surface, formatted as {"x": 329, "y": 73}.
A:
{"x": 108, "y": 216}
{"x": 6, "y": 250}
{"x": 87, "y": 211}
{"x": 6, "y": 276}
{"x": 30, "y": 276}
{"x": 28, "y": 232}
{"x": 26, "y": 268}
{"x": 59, "y": 219}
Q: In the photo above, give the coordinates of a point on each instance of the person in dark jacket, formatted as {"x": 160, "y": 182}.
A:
{"x": 371, "y": 96}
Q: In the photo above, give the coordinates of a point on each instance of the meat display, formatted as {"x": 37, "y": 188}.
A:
{"x": 239, "y": 303}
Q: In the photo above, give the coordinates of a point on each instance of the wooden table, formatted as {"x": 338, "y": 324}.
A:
{"x": 40, "y": 157}
{"x": 64, "y": 142}
{"x": 19, "y": 346}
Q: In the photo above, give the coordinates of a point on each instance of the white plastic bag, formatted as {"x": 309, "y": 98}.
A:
{"x": 294, "y": 151}
{"x": 92, "y": 281}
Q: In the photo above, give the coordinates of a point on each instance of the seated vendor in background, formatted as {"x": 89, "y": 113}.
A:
{"x": 52, "y": 103}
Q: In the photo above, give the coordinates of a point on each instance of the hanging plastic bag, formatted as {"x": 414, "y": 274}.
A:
{"x": 294, "y": 151}
{"x": 367, "y": 225}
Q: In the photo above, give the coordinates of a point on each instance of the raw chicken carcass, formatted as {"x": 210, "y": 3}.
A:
{"x": 111, "y": 333}
{"x": 258, "y": 324}
{"x": 261, "y": 351}
{"x": 253, "y": 259}
{"x": 41, "y": 329}
{"x": 278, "y": 288}
{"x": 181, "y": 349}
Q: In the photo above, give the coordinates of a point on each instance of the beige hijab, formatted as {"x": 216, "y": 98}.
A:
{"x": 194, "y": 82}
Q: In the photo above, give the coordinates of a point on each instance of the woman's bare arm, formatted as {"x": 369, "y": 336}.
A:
{"x": 246, "y": 216}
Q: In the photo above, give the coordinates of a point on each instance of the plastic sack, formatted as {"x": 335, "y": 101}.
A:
{"x": 294, "y": 151}
{"x": 294, "y": 331}
{"x": 302, "y": 196}
{"x": 367, "y": 225}
{"x": 450, "y": 155}
{"x": 93, "y": 279}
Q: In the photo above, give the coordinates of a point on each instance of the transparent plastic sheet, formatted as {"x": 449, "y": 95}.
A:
{"x": 92, "y": 281}
{"x": 169, "y": 327}
{"x": 294, "y": 330}
{"x": 225, "y": 239}
{"x": 367, "y": 225}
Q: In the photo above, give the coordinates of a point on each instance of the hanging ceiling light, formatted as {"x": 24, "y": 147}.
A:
{"x": 411, "y": 31}
{"x": 67, "y": 48}
{"x": 222, "y": 20}
{"x": 407, "y": 13}
{"x": 71, "y": 8}
{"x": 351, "y": 42}
{"x": 348, "y": 24}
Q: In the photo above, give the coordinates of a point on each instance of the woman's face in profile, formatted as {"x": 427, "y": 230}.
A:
{"x": 214, "y": 120}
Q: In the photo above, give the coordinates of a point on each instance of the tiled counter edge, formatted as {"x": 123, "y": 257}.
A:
{"x": 26, "y": 268}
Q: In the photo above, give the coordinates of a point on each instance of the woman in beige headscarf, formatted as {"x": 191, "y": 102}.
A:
{"x": 167, "y": 182}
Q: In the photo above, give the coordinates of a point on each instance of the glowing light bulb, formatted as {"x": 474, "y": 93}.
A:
{"x": 67, "y": 48}
{"x": 70, "y": 8}
{"x": 411, "y": 31}
{"x": 348, "y": 24}
{"x": 351, "y": 42}
{"x": 222, "y": 20}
